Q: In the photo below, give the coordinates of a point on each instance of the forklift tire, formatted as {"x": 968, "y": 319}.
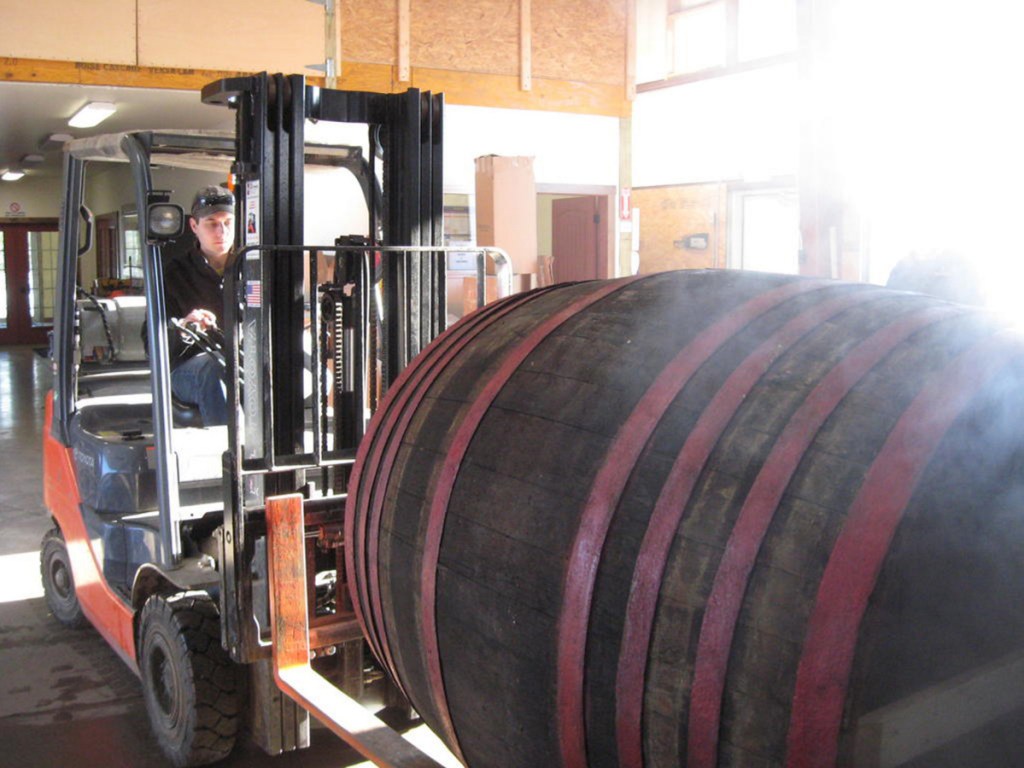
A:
{"x": 190, "y": 685}
{"x": 58, "y": 582}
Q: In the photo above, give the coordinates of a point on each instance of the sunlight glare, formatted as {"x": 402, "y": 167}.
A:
{"x": 19, "y": 577}
{"x": 428, "y": 742}
{"x": 928, "y": 126}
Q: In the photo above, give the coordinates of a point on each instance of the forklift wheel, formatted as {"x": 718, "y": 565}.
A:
{"x": 190, "y": 684}
{"x": 58, "y": 583}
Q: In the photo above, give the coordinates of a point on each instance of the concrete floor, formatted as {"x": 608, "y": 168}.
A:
{"x": 66, "y": 699}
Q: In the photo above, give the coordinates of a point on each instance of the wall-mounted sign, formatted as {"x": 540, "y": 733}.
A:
{"x": 462, "y": 262}
{"x": 693, "y": 242}
{"x": 14, "y": 209}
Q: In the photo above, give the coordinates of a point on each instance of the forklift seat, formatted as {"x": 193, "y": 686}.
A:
{"x": 185, "y": 414}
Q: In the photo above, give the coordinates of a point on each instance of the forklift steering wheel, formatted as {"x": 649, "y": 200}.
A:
{"x": 210, "y": 341}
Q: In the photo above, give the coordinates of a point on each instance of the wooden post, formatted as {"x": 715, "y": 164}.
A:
{"x": 525, "y": 46}
{"x": 631, "y": 47}
{"x": 404, "y": 13}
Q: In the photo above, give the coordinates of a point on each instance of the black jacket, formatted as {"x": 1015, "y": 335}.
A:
{"x": 190, "y": 283}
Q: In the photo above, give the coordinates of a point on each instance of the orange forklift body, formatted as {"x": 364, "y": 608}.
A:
{"x": 104, "y": 609}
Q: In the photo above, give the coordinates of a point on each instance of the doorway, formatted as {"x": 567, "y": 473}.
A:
{"x": 765, "y": 230}
{"x": 28, "y": 273}
{"x": 573, "y": 237}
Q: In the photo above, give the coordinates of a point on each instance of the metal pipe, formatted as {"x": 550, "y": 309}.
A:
{"x": 156, "y": 330}
{"x": 503, "y": 267}
{"x": 64, "y": 327}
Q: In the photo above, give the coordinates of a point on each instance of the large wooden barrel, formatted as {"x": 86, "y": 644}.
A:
{"x": 703, "y": 518}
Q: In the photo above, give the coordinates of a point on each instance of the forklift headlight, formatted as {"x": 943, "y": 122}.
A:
{"x": 165, "y": 221}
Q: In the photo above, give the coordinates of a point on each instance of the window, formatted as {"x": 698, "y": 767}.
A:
{"x": 698, "y": 37}
{"x": 706, "y": 35}
{"x": 131, "y": 246}
{"x": 765, "y": 230}
{"x": 765, "y": 28}
{"x": 42, "y": 276}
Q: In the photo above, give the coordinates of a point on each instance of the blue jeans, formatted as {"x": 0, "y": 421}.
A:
{"x": 200, "y": 380}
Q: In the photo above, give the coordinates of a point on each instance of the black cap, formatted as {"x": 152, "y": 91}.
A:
{"x": 210, "y": 200}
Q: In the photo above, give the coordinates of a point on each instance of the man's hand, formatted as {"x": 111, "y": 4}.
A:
{"x": 203, "y": 318}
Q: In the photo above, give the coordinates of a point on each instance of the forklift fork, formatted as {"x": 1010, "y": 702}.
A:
{"x": 289, "y": 611}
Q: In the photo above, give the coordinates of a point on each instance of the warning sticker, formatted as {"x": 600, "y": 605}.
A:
{"x": 252, "y": 212}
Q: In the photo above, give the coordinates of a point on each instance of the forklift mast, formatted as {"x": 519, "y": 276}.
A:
{"x": 317, "y": 332}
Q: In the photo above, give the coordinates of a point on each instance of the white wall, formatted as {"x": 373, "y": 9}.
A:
{"x": 31, "y": 198}
{"x": 334, "y": 205}
{"x": 567, "y": 148}
{"x": 109, "y": 186}
{"x": 744, "y": 126}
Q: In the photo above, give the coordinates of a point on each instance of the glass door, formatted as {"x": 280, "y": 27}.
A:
{"x": 765, "y": 230}
{"x": 28, "y": 271}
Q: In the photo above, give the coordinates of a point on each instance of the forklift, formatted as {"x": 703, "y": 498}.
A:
{"x": 160, "y": 536}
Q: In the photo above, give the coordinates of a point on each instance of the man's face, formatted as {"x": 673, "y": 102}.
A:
{"x": 215, "y": 232}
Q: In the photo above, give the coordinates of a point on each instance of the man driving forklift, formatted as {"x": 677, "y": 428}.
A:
{"x": 194, "y": 296}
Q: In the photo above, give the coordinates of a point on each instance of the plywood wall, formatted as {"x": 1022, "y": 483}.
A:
{"x": 669, "y": 214}
{"x": 468, "y": 48}
{"x": 466, "y": 35}
{"x": 99, "y": 31}
{"x": 274, "y": 35}
{"x": 369, "y": 31}
{"x": 580, "y": 40}
{"x": 256, "y": 35}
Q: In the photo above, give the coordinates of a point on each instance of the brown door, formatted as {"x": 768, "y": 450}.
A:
{"x": 28, "y": 274}
{"x": 106, "y": 246}
{"x": 579, "y": 242}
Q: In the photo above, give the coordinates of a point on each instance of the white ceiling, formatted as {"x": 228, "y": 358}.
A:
{"x": 29, "y": 112}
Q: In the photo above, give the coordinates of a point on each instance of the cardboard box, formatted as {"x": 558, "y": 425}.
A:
{"x": 469, "y": 292}
{"x": 523, "y": 282}
{"x": 461, "y": 292}
{"x": 506, "y": 209}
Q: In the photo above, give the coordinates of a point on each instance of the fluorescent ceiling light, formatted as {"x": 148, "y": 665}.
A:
{"x": 32, "y": 159}
{"x": 11, "y": 175}
{"x": 93, "y": 113}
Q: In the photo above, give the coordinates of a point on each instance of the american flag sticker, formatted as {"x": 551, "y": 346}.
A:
{"x": 253, "y": 293}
